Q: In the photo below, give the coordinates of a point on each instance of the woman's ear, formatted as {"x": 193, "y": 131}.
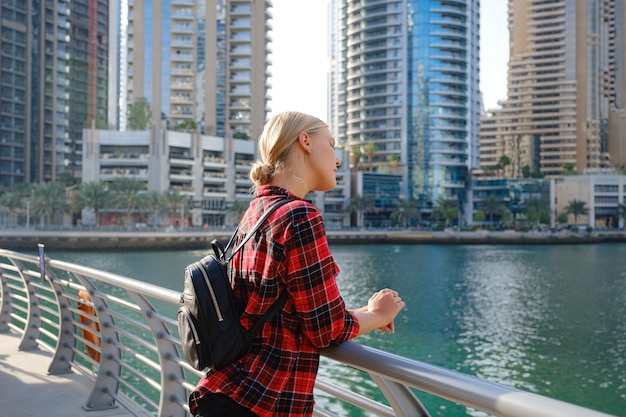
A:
{"x": 305, "y": 142}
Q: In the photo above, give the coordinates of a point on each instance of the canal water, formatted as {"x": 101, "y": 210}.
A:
{"x": 546, "y": 319}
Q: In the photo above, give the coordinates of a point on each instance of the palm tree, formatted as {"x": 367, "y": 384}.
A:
{"x": 370, "y": 153}
{"x": 50, "y": 198}
{"x": 502, "y": 163}
{"x": 355, "y": 156}
{"x": 13, "y": 201}
{"x": 492, "y": 205}
{"x": 576, "y": 208}
{"x": 174, "y": 201}
{"x": 394, "y": 161}
{"x": 95, "y": 195}
{"x": 154, "y": 201}
{"x": 405, "y": 211}
{"x": 361, "y": 204}
{"x": 139, "y": 114}
{"x": 127, "y": 194}
{"x": 446, "y": 208}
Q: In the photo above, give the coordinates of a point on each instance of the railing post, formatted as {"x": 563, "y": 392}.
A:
{"x": 401, "y": 398}
{"x": 104, "y": 393}
{"x": 33, "y": 319}
{"x": 6, "y": 308}
{"x": 170, "y": 370}
{"x": 64, "y": 352}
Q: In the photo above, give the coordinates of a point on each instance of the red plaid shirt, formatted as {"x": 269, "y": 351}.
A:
{"x": 276, "y": 378}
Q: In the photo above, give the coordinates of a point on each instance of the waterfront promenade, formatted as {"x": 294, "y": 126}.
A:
{"x": 74, "y": 240}
{"x": 28, "y": 390}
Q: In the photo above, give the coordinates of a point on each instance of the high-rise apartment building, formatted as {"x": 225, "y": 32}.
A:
{"x": 52, "y": 79}
{"x": 202, "y": 63}
{"x": 566, "y": 90}
{"x": 405, "y": 91}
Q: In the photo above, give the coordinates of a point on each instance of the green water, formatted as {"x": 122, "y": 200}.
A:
{"x": 546, "y": 319}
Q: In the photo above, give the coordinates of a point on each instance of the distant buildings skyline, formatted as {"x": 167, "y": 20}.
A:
{"x": 566, "y": 90}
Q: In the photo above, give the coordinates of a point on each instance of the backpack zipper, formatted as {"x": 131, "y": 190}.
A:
{"x": 215, "y": 304}
{"x": 192, "y": 327}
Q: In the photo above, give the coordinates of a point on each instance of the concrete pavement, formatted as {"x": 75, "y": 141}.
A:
{"x": 27, "y": 390}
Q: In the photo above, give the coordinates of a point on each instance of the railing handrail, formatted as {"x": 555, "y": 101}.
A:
{"x": 27, "y": 306}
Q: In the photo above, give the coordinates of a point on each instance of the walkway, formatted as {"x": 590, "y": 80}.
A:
{"x": 27, "y": 390}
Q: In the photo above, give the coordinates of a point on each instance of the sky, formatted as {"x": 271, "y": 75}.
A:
{"x": 300, "y": 58}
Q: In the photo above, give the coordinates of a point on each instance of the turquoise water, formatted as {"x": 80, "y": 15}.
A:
{"x": 547, "y": 319}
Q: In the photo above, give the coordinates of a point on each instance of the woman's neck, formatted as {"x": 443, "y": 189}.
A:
{"x": 291, "y": 182}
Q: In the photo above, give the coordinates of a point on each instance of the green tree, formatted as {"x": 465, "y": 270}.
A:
{"x": 394, "y": 161}
{"x": 576, "y": 208}
{"x": 127, "y": 195}
{"x": 492, "y": 205}
{"x": 187, "y": 126}
{"x": 360, "y": 205}
{"x": 526, "y": 173}
{"x": 447, "y": 209}
{"x": 532, "y": 216}
{"x": 50, "y": 198}
{"x": 507, "y": 216}
{"x": 569, "y": 168}
{"x": 370, "y": 152}
{"x": 175, "y": 201}
{"x": 561, "y": 218}
{"x": 155, "y": 201}
{"x": 405, "y": 211}
{"x": 13, "y": 201}
{"x": 240, "y": 135}
{"x": 94, "y": 195}
{"x": 479, "y": 216}
{"x": 355, "y": 156}
{"x": 503, "y": 162}
{"x": 139, "y": 114}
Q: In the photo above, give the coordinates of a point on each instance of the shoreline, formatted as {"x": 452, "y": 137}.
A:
{"x": 190, "y": 240}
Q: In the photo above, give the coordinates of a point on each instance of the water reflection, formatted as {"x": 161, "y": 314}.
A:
{"x": 499, "y": 304}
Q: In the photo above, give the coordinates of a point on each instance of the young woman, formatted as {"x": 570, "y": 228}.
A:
{"x": 291, "y": 254}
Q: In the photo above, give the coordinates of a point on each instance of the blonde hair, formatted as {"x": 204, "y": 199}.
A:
{"x": 279, "y": 134}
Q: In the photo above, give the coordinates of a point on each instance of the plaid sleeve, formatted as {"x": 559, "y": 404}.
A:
{"x": 311, "y": 280}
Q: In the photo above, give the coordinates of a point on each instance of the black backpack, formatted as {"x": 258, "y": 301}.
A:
{"x": 211, "y": 334}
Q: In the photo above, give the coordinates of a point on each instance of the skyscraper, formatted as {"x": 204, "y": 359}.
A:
{"x": 52, "y": 79}
{"x": 200, "y": 63}
{"x": 406, "y": 80}
{"x": 566, "y": 89}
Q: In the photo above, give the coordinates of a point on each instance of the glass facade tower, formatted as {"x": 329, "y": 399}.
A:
{"x": 53, "y": 79}
{"x": 406, "y": 80}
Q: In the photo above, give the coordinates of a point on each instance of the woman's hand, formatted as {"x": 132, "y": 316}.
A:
{"x": 381, "y": 310}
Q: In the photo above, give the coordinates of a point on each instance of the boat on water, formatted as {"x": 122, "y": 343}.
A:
{"x": 120, "y": 335}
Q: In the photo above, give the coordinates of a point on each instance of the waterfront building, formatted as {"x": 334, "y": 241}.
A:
{"x": 383, "y": 190}
{"x": 405, "y": 92}
{"x": 211, "y": 172}
{"x": 198, "y": 64}
{"x": 52, "y": 81}
{"x": 566, "y": 90}
{"x": 515, "y": 195}
{"x": 604, "y": 195}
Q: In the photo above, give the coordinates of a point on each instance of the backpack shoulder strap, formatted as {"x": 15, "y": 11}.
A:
{"x": 278, "y": 304}
{"x": 256, "y": 226}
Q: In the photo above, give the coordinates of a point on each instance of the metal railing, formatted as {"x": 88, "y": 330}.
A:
{"x": 122, "y": 334}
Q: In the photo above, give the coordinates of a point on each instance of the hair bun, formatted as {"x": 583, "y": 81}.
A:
{"x": 261, "y": 173}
